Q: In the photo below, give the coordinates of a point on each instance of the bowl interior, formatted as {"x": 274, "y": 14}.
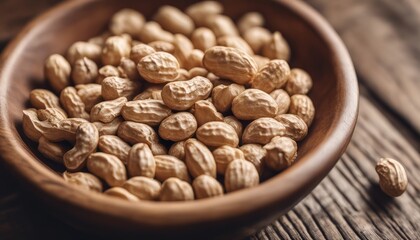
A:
{"x": 315, "y": 48}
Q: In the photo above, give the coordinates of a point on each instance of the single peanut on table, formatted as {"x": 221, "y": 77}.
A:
{"x": 186, "y": 105}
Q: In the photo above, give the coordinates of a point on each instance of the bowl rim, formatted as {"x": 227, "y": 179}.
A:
{"x": 275, "y": 190}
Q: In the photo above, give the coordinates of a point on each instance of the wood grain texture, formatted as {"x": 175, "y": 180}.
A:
{"x": 383, "y": 39}
{"x": 348, "y": 203}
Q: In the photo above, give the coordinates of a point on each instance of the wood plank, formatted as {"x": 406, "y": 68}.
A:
{"x": 349, "y": 204}
{"x": 382, "y": 37}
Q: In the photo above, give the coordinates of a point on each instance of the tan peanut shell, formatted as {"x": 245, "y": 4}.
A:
{"x": 178, "y": 126}
{"x": 115, "y": 146}
{"x": 174, "y": 189}
{"x": 271, "y": 76}
{"x": 115, "y": 48}
{"x": 119, "y": 192}
{"x": 203, "y": 38}
{"x": 204, "y": 111}
{"x": 252, "y": 104}
{"x": 281, "y": 153}
{"x": 181, "y": 95}
{"x": 283, "y": 100}
{"x": 158, "y": 67}
{"x": 222, "y": 26}
{"x": 217, "y": 134}
{"x": 107, "y": 167}
{"x": 151, "y": 92}
{"x": 148, "y": 111}
{"x": 199, "y": 159}
{"x": 57, "y": 71}
{"x": 223, "y": 96}
{"x": 195, "y": 59}
{"x": 133, "y": 133}
{"x": 392, "y": 177}
{"x": 240, "y": 174}
{"x": 107, "y": 71}
{"x": 254, "y": 153}
{"x": 162, "y": 46}
{"x": 51, "y": 150}
{"x": 140, "y": 161}
{"x": 84, "y": 71}
{"x": 110, "y": 128}
{"x": 86, "y": 141}
{"x": 83, "y": 180}
{"x": 230, "y": 63}
{"x": 262, "y": 130}
{"x": 178, "y": 150}
{"x": 73, "y": 104}
{"x": 261, "y": 61}
{"x": 174, "y": 20}
{"x": 197, "y": 71}
{"x": 200, "y": 12}
{"x": 128, "y": 69}
{"x": 42, "y": 99}
{"x": 276, "y": 48}
{"x": 107, "y": 111}
{"x": 224, "y": 155}
{"x": 32, "y": 126}
{"x": 170, "y": 167}
{"x": 152, "y": 31}
{"x": 296, "y": 128}
{"x": 84, "y": 49}
{"x": 257, "y": 38}
{"x": 250, "y": 20}
{"x": 299, "y": 82}
{"x": 235, "y": 42}
{"x": 302, "y": 106}
{"x": 140, "y": 51}
{"x": 206, "y": 187}
{"x": 235, "y": 123}
{"x": 182, "y": 49}
{"x": 52, "y": 115}
{"x": 65, "y": 130}
{"x": 116, "y": 87}
{"x": 142, "y": 187}
{"x": 90, "y": 94}
{"x": 126, "y": 21}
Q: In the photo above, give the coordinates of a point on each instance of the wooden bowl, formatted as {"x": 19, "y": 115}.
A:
{"x": 315, "y": 48}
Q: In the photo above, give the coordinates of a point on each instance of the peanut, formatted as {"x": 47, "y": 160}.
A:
{"x": 240, "y": 174}
{"x": 200, "y": 12}
{"x": 148, "y": 111}
{"x": 133, "y": 133}
{"x": 84, "y": 49}
{"x": 182, "y": 49}
{"x": 128, "y": 69}
{"x": 250, "y": 20}
{"x": 392, "y": 177}
{"x": 170, "y": 167}
{"x": 84, "y": 71}
{"x": 110, "y": 128}
{"x": 57, "y": 71}
{"x": 199, "y": 159}
{"x": 261, "y": 61}
{"x": 121, "y": 193}
{"x": 43, "y": 99}
{"x": 65, "y": 130}
{"x": 107, "y": 111}
{"x": 162, "y": 46}
{"x": 302, "y": 106}
{"x": 73, "y": 104}
{"x": 116, "y": 87}
{"x": 151, "y": 92}
{"x": 174, "y": 189}
{"x": 90, "y": 94}
{"x": 235, "y": 42}
{"x": 204, "y": 111}
{"x": 206, "y": 187}
{"x": 107, "y": 167}
{"x": 195, "y": 59}
{"x": 255, "y": 154}
{"x": 115, "y": 48}
{"x": 282, "y": 99}
{"x": 86, "y": 141}
{"x": 140, "y": 51}
{"x": 223, "y": 96}
{"x": 222, "y": 26}
{"x": 140, "y": 161}
{"x": 178, "y": 127}
{"x": 224, "y": 155}
{"x": 230, "y": 63}
{"x": 217, "y": 134}
{"x": 203, "y": 38}
{"x": 272, "y": 76}
{"x": 197, "y": 71}
{"x": 276, "y": 48}
{"x": 178, "y": 150}
{"x": 174, "y": 20}
{"x": 152, "y": 31}
{"x": 115, "y": 146}
{"x": 235, "y": 123}
{"x": 53, "y": 151}
{"x": 52, "y": 115}
{"x": 142, "y": 187}
{"x": 257, "y": 38}
{"x": 299, "y": 82}
{"x": 83, "y": 180}
{"x": 126, "y": 21}
{"x": 107, "y": 71}
{"x": 252, "y": 104}
{"x": 159, "y": 67}
{"x": 296, "y": 128}
{"x": 262, "y": 130}
{"x": 281, "y": 153}
{"x": 182, "y": 95}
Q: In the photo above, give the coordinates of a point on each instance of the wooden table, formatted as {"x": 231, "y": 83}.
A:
{"x": 383, "y": 38}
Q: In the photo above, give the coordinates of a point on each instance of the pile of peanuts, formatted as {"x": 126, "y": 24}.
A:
{"x": 187, "y": 106}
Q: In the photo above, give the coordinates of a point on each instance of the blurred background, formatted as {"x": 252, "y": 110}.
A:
{"x": 383, "y": 39}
